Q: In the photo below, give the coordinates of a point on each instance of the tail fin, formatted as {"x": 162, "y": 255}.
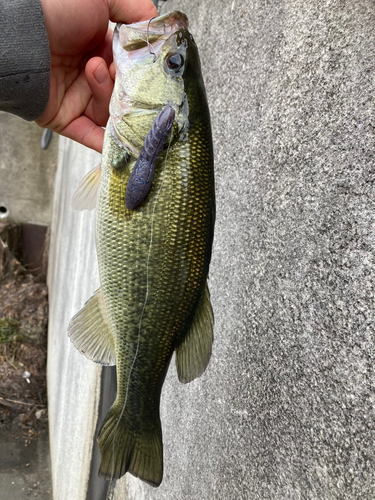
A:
{"x": 139, "y": 452}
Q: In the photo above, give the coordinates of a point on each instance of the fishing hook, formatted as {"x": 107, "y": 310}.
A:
{"x": 148, "y": 43}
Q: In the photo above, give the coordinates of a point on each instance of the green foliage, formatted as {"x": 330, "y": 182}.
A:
{"x": 9, "y": 331}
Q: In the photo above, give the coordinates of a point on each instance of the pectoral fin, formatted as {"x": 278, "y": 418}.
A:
{"x": 89, "y": 331}
{"x": 85, "y": 196}
{"x": 193, "y": 355}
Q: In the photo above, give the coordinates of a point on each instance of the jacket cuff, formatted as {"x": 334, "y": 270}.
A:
{"x": 25, "y": 59}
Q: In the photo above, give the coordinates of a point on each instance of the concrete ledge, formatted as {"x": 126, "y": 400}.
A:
{"x": 73, "y": 380}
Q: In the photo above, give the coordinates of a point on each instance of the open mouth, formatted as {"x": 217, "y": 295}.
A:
{"x": 138, "y": 36}
{"x": 162, "y": 25}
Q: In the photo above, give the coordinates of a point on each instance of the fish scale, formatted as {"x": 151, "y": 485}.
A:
{"x": 153, "y": 260}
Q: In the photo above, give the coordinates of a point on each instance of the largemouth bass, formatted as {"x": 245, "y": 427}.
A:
{"x": 155, "y": 205}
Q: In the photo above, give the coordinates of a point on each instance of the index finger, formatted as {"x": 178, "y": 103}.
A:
{"x": 131, "y": 11}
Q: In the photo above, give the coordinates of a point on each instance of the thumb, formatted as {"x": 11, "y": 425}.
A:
{"x": 101, "y": 86}
{"x": 131, "y": 11}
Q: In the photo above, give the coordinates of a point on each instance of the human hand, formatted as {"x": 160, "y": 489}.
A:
{"x": 81, "y": 53}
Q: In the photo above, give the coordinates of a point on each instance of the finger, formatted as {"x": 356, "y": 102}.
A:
{"x": 86, "y": 132}
{"x": 112, "y": 71}
{"x": 73, "y": 103}
{"x": 101, "y": 85}
{"x": 131, "y": 11}
{"x": 70, "y": 120}
{"x": 103, "y": 50}
{"x": 61, "y": 82}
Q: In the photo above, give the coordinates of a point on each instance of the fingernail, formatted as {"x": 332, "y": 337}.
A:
{"x": 101, "y": 74}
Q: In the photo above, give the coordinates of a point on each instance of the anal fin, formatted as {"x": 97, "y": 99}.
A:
{"x": 90, "y": 334}
{"x": 193, "y": 355}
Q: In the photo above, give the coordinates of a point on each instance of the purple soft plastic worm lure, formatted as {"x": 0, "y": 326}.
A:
{"x": 140, "y": 179}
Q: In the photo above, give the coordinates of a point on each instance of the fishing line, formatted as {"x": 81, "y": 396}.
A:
{"x": 148, "y": 43}
{"x": 144, "y": 306}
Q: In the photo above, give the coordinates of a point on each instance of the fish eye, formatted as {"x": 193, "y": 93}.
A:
{"x": 175, "y": 61}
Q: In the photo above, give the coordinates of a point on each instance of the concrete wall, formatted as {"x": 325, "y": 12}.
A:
{"x": 285, "y": 410}
{"x": 26, "y": 172}
{"x": 73, "y": 381}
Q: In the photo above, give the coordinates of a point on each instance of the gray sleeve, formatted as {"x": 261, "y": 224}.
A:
{"x": 24, "y": 59}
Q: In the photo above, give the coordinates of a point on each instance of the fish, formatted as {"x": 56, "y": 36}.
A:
{"x": 154, "y": 193}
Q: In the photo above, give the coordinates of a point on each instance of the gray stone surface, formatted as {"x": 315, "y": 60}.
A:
{"x": 24, "y": 466}
{"x": 26, "y": 171}
{"x": 285, "y": 410}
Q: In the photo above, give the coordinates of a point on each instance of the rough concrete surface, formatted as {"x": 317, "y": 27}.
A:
{"x": 26, "y": 170}
{"x": 24, "y": 467}
{"x": 285, "y": 410}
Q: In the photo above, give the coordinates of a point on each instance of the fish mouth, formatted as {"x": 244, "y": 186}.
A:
{"x": 136, "y": 36}
{"x": 142, "y": 43}
{"x": 162, "y": 25}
